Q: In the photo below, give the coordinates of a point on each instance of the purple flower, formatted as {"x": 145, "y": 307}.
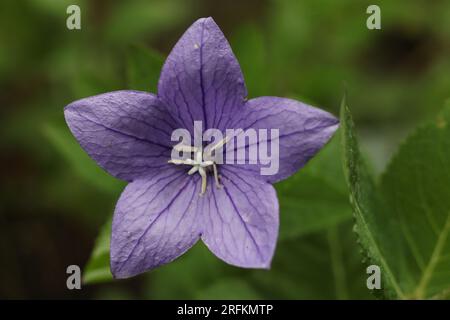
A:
{"x": 162, "y": 212}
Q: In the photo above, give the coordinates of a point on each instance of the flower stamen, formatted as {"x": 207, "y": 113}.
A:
{"x": 200, "y": 162}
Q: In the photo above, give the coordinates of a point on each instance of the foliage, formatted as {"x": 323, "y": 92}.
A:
{"x": 403, "y": 224}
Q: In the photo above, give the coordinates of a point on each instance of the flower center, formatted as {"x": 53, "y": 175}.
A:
{"x": 201, "y": 162}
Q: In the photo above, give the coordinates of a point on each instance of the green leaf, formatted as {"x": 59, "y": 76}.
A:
{"x": 403, "y": 226}
{"x": 143, "y": 68}
{"x": 97, "y": 269}
{"x": 316, "y": 197}
{"x": 80, "y": 162}
{"x": 373, "y": 221}
{"x": 416, "y": 185}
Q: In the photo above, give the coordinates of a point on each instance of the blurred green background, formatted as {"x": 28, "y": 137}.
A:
{"x": 54, "y": 200}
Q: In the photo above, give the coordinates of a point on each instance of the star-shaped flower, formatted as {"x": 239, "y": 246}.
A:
{"x": 169, "y": 205}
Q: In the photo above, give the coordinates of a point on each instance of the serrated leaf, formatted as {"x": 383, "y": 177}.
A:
{"x": 316, "y": 197}
{"x": 80, "y": 162}
{"x": 416, "y": 185}
{"x": 403, "y": 226}
{"x": 373, "y": 223}
{"x": 97, "y": 268}
{"x": 143, "y": 68}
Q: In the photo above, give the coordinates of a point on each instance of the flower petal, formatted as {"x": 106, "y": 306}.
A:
{"x": 201, "y": 79}
{"x": 126, "y": 132}
{"x": 241, "y": 220}
{"x": 303, "y": 131}
{"x": 155, "y": 221}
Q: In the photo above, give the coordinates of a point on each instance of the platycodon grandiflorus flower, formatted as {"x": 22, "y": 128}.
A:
{"x": 169, "y": 204}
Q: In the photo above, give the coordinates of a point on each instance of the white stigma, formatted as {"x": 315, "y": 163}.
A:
{"x": 200, "y": 162}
